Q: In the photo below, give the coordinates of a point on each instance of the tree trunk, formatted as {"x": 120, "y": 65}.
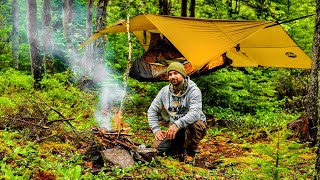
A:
{"x": 312, "y": 101}
{"x": 184, "y": 8}
{"x": 35, "y": 58}
{"x": 101, "y": 23}
{"x": 68, "y": 29}
{"x": 15, "y": 35}
{"x": 47, "y": 37}
{"x": 230, "y": 11}
{"x": 89, "y": 47}
{"x": 65, "y": 20}
{"x": 165, "y": 7}
{"x": 315, "y": 86}
{"x": 192, "y": 8}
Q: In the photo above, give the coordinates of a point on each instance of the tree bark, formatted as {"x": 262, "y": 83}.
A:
{"x": 312, "y": 101}
{"x": 165, "y": 7}
{"x": 35, "y": 58}
{"x": 89, "y": 47}
{"x": 15, "y": 35}
{"x": 315, "y": 86}
{"x": 192, "y": 8}
{"x": 126, "y": 76}
{"x": 67, "y": 21}
{"x": 47, "y": 37}
{"x": 101, "y": 23}
{"x": 184, "y": 8}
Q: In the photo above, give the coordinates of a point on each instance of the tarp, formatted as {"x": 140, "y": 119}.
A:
{"x": 202, "y": 42}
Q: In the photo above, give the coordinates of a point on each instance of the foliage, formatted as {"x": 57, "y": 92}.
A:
{"x": 141, "y": 94}
{"x": 215, "y": 131}
{"x": 17, "y": 95}
{"x": 279, "y": 157}
{"x": 12, "y": 81}
{"x": 246, "y": 98}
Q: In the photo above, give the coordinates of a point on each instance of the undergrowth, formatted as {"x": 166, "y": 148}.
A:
{"x": 50, "y": 143}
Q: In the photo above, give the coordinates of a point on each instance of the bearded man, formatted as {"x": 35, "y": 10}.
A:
{"x": 180, "y": 103}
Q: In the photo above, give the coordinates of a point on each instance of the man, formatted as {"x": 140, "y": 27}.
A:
{"x": 180, "y": 102}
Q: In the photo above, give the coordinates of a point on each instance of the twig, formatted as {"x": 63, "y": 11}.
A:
{"x": 39, "y": 140}
{"x": 74, "y": 130}
{"x": 113, "y": 133}
{"x": 44, "y": 127}
{"x": 50, "y": 122}
{"x": 119, "y": 131}
{"x": 133, "y": 142}
{"x": 124, "y": 144}
{"x": 31, "y": 117}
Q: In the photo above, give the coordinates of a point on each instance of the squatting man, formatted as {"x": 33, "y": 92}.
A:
{"x": 180, "y": 103}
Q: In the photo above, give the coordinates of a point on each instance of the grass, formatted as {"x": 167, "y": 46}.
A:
{"x": 242, "y": 147}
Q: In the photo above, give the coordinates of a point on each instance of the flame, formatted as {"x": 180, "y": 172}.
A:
{"x": 118, "y": 123}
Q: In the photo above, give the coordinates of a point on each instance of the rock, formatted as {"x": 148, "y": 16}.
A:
{"x": 118, "y": 156}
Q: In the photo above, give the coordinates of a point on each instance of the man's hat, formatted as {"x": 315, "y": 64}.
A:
{"x": 176, "y": 66}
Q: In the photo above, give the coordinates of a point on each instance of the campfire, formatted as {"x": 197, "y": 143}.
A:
{"x": 118, "y": 149}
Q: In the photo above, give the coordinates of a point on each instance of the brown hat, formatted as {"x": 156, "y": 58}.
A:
{"x": 176, "y": 66}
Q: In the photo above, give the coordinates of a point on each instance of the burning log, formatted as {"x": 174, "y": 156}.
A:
{"x": 118, "y": 141}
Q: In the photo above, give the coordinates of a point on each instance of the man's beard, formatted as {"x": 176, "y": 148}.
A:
{"x": 177, "y": 85}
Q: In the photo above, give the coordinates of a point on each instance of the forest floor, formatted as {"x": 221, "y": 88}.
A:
{"x": 224, "y": 153}
{"x": 252, "y": 154}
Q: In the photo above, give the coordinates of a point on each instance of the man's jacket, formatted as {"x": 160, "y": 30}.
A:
{"x": 181, "y": 110}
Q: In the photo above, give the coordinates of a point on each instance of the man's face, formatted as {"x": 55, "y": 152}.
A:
{"x": 175, "y": 78}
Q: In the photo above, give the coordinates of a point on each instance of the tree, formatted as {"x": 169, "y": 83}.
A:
{"x": 67, "y": 23}
{"x": 15, "y": 35}
{"x": 89, "y": 47}
{"x": 184, "y": 8}
{"x": 47, "y": 36}
{"x": 314, "y": 86}
{"x": 192, "y": 8}
{"x": 310, "y": 118}
{"x": 236, "y": 9}
{"x": 165, "y": 7}
{"x": 101, "y": 23}
{"x": 35, "y": 58}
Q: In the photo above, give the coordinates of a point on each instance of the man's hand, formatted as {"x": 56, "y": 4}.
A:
{"x": 159, "y": 136}
{"x": 171, "y": 132}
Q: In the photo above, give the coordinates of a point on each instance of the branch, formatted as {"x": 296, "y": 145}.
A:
{"x": 44, "y": 127}
{"x": 50, "y": 122}
{"x": 52, "y": 108}
{"x": 39, "y": 140}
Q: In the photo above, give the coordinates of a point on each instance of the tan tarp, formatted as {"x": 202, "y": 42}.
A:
{"x": 246, "y": 43}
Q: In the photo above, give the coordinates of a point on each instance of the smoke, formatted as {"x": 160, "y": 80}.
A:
{"x": 111, "y": 91}
{"x": 86, "y": 65}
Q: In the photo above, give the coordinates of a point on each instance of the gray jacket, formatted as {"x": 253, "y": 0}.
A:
{"x": 181, "y": 110}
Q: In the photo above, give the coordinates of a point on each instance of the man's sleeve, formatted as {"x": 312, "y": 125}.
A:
{"x": 195, "y": 109}
{"x": 154, "y": 111}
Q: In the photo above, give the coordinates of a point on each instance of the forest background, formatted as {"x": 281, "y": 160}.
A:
{"x": 53, "y": 93}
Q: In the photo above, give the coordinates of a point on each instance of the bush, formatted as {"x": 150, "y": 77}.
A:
{"x": 12, "y": 81}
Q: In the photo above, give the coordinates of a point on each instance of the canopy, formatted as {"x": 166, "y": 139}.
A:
{"x": 202, "y": 41}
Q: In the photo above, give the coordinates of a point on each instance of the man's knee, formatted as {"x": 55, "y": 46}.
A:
{"x": 197, "y": 129}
